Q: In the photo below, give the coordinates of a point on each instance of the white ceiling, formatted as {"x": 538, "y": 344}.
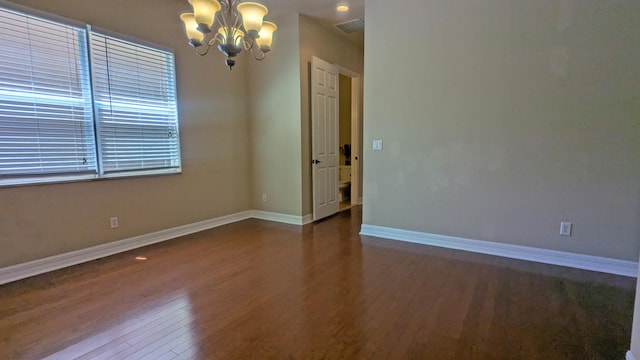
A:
{"x": 323, "y": 12}
{"x": 320, "y": 9}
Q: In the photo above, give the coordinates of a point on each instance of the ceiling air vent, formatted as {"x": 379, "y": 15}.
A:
{"x": 351, "y": 26}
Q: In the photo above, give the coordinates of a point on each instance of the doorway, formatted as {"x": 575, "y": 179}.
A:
{"x": 349, "y": 134}
{"x": 333, "y": 180}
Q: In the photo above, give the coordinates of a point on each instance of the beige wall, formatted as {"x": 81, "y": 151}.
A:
{"x": 43, "y": 220}
{"x": 316, "y": 41}
{"x": 500, "y": 119}
{"x": 274, "y": 93}
{"x": 279, "y": 111}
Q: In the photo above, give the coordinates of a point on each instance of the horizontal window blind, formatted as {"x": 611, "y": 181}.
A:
{"x": 77, "y": 103}
{"x": 46, "y": 115}
{"x": 135, "y": 101}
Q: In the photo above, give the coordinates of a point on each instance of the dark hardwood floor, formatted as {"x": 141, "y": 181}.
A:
{"x": 262, "y": 290}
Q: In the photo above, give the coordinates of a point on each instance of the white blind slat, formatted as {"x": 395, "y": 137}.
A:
{"x": 134, "y": 90}
{"x": 64, "y": 113}
{"x": 46, "y": 123}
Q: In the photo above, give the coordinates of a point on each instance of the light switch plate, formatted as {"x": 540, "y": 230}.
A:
{"x": 377, "y": 144}
{"x": 565, "y": 228}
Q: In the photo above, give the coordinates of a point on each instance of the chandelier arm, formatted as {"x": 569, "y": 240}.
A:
{"x": 212, "y": 41}
{"x": 228, "y": 12}
{"x": 261, "y": 54}
{"x": 248, "y": 45}
{"x": 206, "y": 48}
{"x": 237, "y": 22}
{"x": 222, "y": 20}
{"x": 226, "y": 4}
{"x": 217, "y": 38}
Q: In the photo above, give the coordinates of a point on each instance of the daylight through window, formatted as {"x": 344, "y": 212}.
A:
{"x": 77, "y": 103}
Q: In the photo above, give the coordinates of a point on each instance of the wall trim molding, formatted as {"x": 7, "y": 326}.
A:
{"x": 281, "y": 218}
{"x": 40, "y": 266}
{"x": 51, "y": 263}
{"x": 307, "y": 219}
{"x": 546, "y": 256}
{"x": 629, "y": 356}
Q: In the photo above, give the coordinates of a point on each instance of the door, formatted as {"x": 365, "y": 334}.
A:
{"x": 324, "y": 135}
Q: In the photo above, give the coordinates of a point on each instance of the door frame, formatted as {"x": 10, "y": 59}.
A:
{"x": 356, "y": 128}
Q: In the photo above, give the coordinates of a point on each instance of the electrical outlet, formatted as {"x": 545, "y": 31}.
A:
{"x": 113, "y": 222}
{"x": 565, "y": 228}
{"x": 264, "y": 197}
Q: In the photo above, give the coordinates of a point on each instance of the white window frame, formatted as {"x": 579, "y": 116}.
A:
{"x": 173, "y": 162}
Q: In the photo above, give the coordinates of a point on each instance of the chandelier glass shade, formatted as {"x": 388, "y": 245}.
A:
{"x": 234, "y": 26}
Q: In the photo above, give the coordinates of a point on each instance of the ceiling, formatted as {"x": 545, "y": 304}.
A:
{"x": 320, "y": 9}
{"x": 323, "y": 12}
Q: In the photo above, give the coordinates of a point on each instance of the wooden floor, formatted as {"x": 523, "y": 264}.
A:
{"x": 344, "y": 205}
{"x": 259, "y": 290}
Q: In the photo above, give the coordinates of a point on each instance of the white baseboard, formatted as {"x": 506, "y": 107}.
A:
{"x": 546, "y": 256}
{"x": 282, "y": 218}
{"x": 51, "y": 263}
{"x": 307, "y": 219}
{"x": 629, "y": 356}
{"x": 40, "y": 266}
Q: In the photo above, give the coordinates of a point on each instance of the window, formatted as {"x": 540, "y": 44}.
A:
{"x": 46, "y": 118}
{"x": 134, "y": 92}
{"x": 79, "y": 103}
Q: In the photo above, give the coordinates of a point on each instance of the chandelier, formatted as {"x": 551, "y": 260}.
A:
{"x": 233, "y": 25}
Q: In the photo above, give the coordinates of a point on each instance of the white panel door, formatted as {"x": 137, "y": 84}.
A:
{"x": 324, "y": 128}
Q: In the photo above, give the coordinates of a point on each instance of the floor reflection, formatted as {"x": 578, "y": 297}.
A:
{"x": 164, "y": 331}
